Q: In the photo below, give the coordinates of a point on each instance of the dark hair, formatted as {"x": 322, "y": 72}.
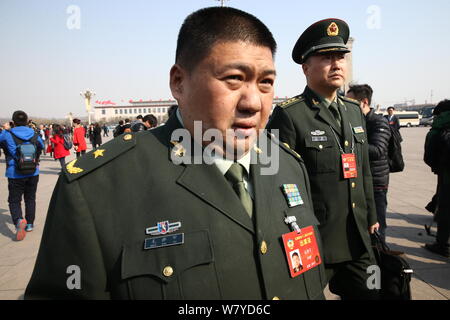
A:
{"x": 127, "y": 120}
{"x": 151, "y": 119}
{"x": 390, "y": 108}
{"x": 139, "y": 117}
{"x": 295, "y": 254}
{"x": 442, "y": 106}
{"x": 20, "y": 118}
{"x": 120, "y": 122}
{"x": 77, "y": 121}
{"x": 361, "y": 91}
{"x": 57, "y": 129}
{"x": 206, "y": 27}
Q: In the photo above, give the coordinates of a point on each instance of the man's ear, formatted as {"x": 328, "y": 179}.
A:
{"x": 177, "y": 77}
{"x": 305, "y": 68}
{"x": 365, "y": 101}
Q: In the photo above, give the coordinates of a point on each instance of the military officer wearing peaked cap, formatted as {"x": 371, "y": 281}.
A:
{"x": 328, "y": 131}
{"x": 163, "y": 230}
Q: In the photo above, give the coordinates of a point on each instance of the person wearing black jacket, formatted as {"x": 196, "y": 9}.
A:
{"x": 378, "y": 133}
{"x": 97, "y": 136}
{"x": 437, "y": 156}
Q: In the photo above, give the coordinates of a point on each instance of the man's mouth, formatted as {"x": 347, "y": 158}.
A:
{"x": 244, "y": 129}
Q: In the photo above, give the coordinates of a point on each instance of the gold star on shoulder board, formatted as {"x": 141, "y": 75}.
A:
{"x": 315, "y": 102}
{"x": 72, "y": 169}
{"x": 178, "y": 149}
{"x": 99, "y": 153}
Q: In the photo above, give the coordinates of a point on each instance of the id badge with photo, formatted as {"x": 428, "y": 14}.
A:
{"x": 301, "y": 251}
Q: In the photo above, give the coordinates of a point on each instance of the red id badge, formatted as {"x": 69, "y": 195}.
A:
{"x": 301, "y": 250}
{"x": 349, "y": 166}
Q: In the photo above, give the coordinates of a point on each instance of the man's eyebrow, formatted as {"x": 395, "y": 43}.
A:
{"x": 245, "y": 68}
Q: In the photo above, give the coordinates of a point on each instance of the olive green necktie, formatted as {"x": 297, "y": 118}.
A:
{"x": 235, "y": 175}
{"x": 334, "y": 108}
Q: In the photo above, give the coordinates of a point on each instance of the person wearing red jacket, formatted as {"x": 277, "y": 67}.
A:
{"x": 79, "y": 142}
{"x": 58, "y": 141}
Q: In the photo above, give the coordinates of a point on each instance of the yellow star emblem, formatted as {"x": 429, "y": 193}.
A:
{"x": 99, "y": 153}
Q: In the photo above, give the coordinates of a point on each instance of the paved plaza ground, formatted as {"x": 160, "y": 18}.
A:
{"x": 409, "y": 192}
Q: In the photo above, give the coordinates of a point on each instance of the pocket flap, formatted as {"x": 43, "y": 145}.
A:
{"x": 195, "y": 250}
{"x": 360, "y": 137}
{"x": 319, "y": 145}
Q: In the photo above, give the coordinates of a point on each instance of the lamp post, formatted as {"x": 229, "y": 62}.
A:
{"x": 87, "y": 95}
{"x": 222, "y": 2}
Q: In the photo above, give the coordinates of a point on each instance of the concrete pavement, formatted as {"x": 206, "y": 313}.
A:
{"x": 409, "y": 192}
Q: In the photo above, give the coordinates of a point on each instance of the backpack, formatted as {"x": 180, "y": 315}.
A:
{"x": 67, "y": 141}
{"x": 27, "y": 155}
{"x": 395, "y": 157}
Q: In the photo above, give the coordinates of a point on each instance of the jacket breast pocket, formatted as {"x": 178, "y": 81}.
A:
{"x": 321, "y": 155}
{"x": 184, "y": 271}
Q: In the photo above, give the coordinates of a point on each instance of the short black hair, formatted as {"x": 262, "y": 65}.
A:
{"x": 390, "y": 108}
{"x": 151, "y": 119}
{"x": 206, "y": 27}
{"x": 120, "y": 122}
{"x": 20, "y": 118}
{"x": 127, "y": 120}
{"x": 139, "y": 117}
{"x": 361, "y": 91}
{"x": 442, "y": 106}
{"x": 295, "y": 254}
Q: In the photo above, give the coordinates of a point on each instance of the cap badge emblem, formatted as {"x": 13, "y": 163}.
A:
{"x": 333, "y": 30}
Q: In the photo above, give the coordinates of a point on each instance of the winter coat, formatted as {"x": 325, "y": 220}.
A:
{"x": 378, "y": 133}
{"x": 59, "y": 150}
{"x": 79, "y": 140}
{"x": 23, "y": 133}
{"x": 97, "y": 136}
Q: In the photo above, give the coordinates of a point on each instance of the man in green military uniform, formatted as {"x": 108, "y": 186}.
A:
{"x": 163, "y": 230}
{"x": 328, "y": 131}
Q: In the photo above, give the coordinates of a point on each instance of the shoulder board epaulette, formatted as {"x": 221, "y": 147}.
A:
{"x": 284, "y": 146}
{"x": 291, "y": 101}
{"x": 99, "y": 157}
{"x": 350, "y": 100}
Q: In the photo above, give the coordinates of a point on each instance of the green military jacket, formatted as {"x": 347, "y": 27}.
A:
{"x": 105, "y": 201}
{"x": 344, "y": 207}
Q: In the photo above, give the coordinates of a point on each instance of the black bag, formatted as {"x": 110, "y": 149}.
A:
{"x": 396, "y": 163}
{"x": 395, "y": 271}
{"x": 27, "y": 154}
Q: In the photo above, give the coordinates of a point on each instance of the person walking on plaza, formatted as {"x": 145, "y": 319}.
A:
{"x": 97, "y": 136}
{"x": 437, "y": 156}
{"x": 79, "y": 141}
{"x": 148, "y": 122}
{"x": 22, "y": 182}
{"x": 328, "y": 131}
{"x": 214, "y": 228}
{"x": 105, "y": 130}
{"x": 59, "y": 151}
{"x": 393, "y": 120}
{"x": 91, "y": 134}
{"x": 42, "y": 134}
{"x": 378, "y": 134}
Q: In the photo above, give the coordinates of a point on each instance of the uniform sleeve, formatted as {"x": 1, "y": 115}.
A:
{"x": 368, "y": 183}
{"x": 282, "y": 121}
{"x": 70, "y": 252}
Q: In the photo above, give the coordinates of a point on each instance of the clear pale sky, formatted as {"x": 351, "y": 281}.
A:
{"x": 124, "y": 49}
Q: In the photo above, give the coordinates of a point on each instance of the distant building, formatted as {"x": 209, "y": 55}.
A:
{"x": 108, "y": 111}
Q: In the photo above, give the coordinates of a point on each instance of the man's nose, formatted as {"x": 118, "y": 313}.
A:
{"x": 250, "y": 101}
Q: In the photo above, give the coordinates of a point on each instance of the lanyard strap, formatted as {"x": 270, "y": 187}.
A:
{"x": 339, "y": 144}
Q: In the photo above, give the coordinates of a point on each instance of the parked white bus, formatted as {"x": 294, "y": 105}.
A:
{"x": 407, "y": 118}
